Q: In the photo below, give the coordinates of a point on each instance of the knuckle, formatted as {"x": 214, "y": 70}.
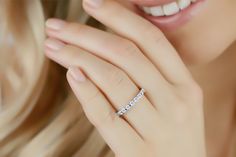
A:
{"x": 116, "y": 78}
{"x": 182, "y": 115}
{"x": 150, "y": 32}
{"x": 191, "y": 93}
{"x": 197, "y": 90}
{"x": 127, "y": 49}
{"x": 195, "y": 93}
{"x": 185, "y": 116}
{"x": 189, "y": 106}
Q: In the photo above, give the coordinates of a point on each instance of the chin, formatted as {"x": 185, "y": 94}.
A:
{"x": 201, "y": 31}
{"x": 194, "y": 53}
{"x": 204, "y": 39}
{"x": 202, "y": 44}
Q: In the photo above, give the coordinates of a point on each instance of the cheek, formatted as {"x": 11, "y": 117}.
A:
{"x": 208, "y": 35}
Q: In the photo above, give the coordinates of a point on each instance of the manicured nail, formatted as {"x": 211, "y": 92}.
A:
{"x": 55, "y": 24}
{"x": 77, "y": 74}
{"x": 54, "y": 44}
{"x": 94, "y": 3}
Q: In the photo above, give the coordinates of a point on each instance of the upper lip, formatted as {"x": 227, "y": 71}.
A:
{"x": 150, "y": 3}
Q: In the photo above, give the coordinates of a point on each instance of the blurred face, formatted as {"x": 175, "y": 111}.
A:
{"x": 200, "y": 30}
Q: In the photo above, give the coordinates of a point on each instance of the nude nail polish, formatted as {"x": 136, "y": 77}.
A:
{"x": 55, "y": 24}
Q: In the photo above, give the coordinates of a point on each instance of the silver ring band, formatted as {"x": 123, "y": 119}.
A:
{"x": 126, "y": 108}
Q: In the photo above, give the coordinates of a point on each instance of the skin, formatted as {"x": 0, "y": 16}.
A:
{"x": 208, "y": 35}
{"x": 169, "y": 120}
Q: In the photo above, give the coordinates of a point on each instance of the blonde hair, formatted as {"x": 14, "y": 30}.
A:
{"x": 39, "y": 115}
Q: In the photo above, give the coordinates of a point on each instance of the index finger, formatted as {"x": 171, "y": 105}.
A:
{"x": 145, "y": 35}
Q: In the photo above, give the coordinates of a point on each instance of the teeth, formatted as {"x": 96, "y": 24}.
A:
{"x": 157, "y": 11}
{"x": 184, "y": 4}
{"x": 168, "y": 9}
{"x": 147, "y": 10}
{"x": 171, "y": 8}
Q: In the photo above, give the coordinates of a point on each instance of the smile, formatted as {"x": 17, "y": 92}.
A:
{"x": 168, "y": 9}
{"x": 171, "y": 15}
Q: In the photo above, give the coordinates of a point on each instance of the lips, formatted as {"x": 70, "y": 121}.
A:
{"x": 171, "y": 15}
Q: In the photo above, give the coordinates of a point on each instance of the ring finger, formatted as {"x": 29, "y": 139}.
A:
{"x": 113, "y": 82}
{"x": 102, "y": 116}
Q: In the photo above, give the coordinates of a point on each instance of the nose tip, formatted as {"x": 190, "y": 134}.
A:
{"x": 151, "y": 2}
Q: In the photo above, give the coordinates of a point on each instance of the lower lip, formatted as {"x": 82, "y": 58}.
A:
{"x": 173, "y": 22}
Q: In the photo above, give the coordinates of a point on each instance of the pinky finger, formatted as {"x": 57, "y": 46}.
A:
{"x": 117, "y": 133}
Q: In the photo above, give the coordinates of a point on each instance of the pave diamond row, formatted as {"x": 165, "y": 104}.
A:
{"x": 126, "y": 108}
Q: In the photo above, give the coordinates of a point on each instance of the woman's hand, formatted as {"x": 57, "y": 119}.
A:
{"x": 106, "y": 71}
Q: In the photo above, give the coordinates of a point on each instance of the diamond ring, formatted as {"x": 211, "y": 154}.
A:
{"x": 126, "y": 108}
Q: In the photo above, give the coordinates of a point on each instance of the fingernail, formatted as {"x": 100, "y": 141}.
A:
{"x": 94, "y": 3}
{"x": 55, "y": 24}
{"x": 54, "y": 44}
{"x": 77, "y": 74}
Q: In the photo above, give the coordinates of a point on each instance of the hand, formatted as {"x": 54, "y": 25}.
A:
{"x": 106, "y": 71}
